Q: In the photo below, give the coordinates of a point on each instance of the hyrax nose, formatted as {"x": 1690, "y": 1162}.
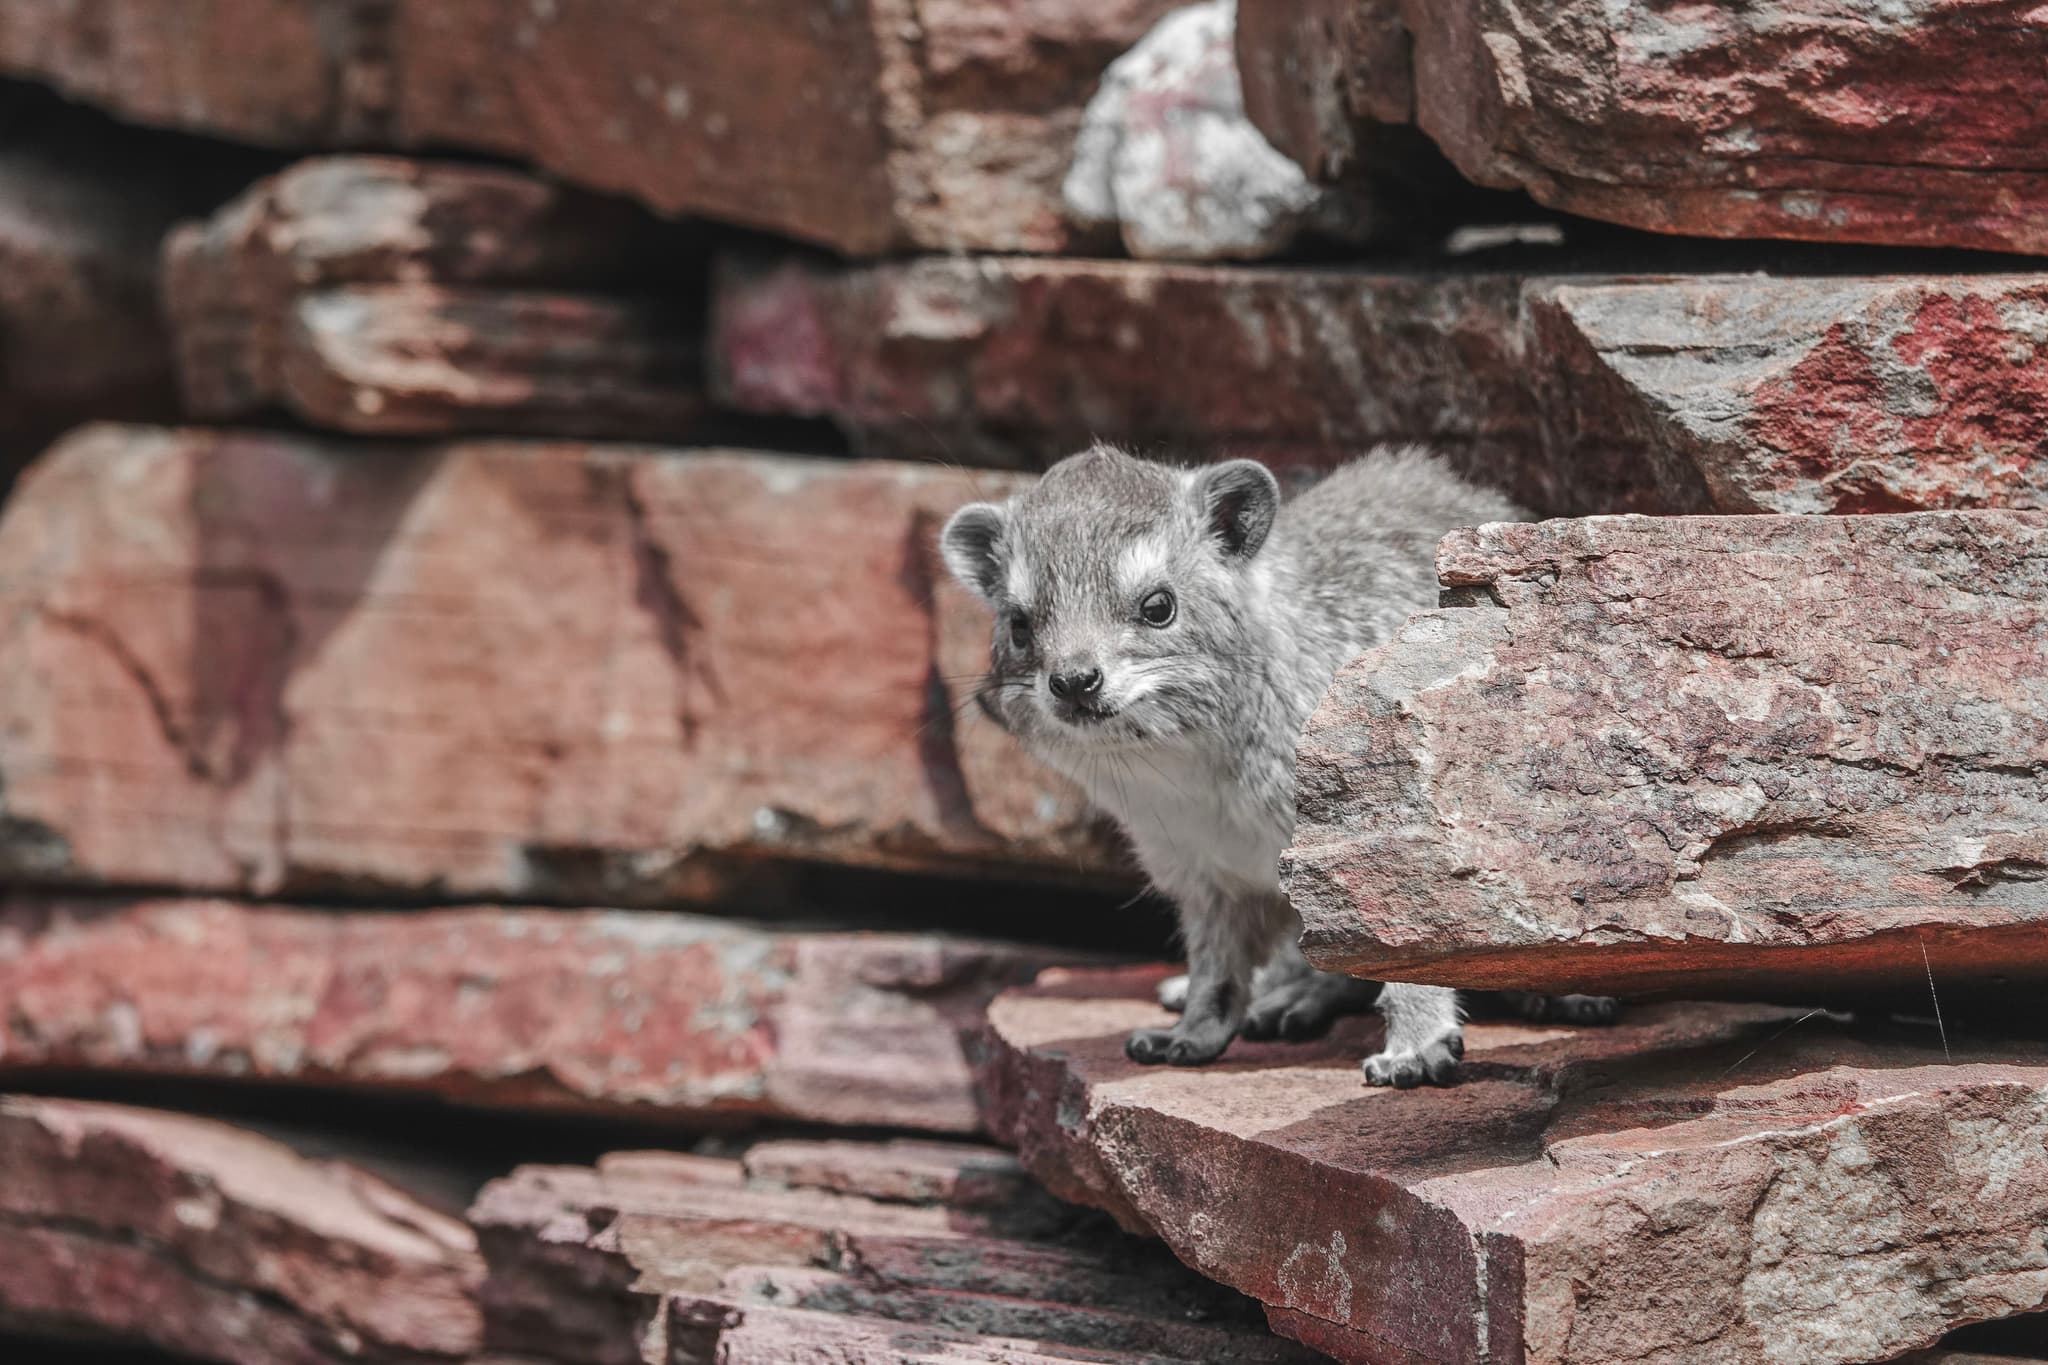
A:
{"x": 1077, "y": 684}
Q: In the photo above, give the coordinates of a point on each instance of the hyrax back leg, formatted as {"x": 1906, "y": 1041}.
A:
{"x": 1295, "y": 1002}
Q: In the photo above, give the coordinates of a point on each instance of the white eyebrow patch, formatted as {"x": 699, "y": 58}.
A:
{"x": 1019, "y": 584}
{"x": 1141, "y": 563}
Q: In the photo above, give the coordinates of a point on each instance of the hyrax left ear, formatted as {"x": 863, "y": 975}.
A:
{"x": 1238, "y": 499}
{"x": 972, "y": 545}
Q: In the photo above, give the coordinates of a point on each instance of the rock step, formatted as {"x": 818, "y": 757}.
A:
{"x": 1578, "y": 394}
{"x": 1721, "y": 122}
{"x": 866, "y": 127}
{"x": 384, "y": 296}
{"x": 841, "y": 1252}
{"x": 608, "y": 1013}
{"x": 1789, "y": 757}
{"x": 1714, "y": 1183}
{"x": 180, "y": 1233}
{"x": 255, "y": 663}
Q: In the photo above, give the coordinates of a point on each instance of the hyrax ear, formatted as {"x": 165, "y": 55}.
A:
{"x": 972, "y": 545}
{"x": 1238, "y": 500}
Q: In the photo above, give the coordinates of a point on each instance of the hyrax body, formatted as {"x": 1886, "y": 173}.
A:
{"x": 1161, "y": 637}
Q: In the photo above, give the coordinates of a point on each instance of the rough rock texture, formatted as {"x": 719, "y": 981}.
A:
{"x": 1769, "y": 755}
{"x": 192, "y": 1236}
{"x": 1829, "y": 120}
{"x": 848, "y": 1253}
{"x": 597, "y": 1011}
{"x": 943, "y": 124}
{"x": 1732, "y": 393}
{"x": 1167, "y": 156}
{"x": 1698, "y": 1183}
{"x": 383, "y": 296}
{"x": 527, "y": 672}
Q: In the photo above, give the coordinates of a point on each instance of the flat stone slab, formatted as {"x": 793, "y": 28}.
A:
{"x": 866, "y": 127}
{"x": 1789, "y": 757}
{"x": 852, "y": 1253}
{"x": 612, "y": 1013}
{"x": 1713, "y": 1184}
{"x": 383, "y": 296}
{"x": 1715, "y": 121}
{"x": 1576, "y": 394}
{"x": 153, "y": 1228}
{"x": 262, "y": 663}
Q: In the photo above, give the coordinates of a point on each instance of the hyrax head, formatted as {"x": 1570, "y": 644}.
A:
{"x": 1123, "y": 595}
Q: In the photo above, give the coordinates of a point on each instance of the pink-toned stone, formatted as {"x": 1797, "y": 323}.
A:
{"x": 944, "y": 124}
{"x": 1777, "y": 756}
{"x": 823, "y": 1253}
{"x": 530, "y": 672}
{"x": 1825, "y": 120}
{"x": 391, "y": 297}
{"x": 611, "y": 1012}
{"x": 188, "y": 1235}
{"x": 1734, "y": 393}
{"x": 1699, "y": 1183}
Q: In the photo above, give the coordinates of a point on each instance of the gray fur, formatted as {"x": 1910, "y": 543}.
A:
{"x": 1191, "y": 741}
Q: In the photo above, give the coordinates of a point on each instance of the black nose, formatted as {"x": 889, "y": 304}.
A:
{"x": 1079, "y": 685}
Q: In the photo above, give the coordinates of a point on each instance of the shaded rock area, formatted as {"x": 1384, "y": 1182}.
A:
{"x": 83, "y": 207}
{"x": 849, "y": 1252}
{"x": 945, "y": 124}
{"x": 1778, "y": 756}
{"x": 1578, "y": 394}
{"x": 189, "y": 1235}
{"x": 264, "y": 663}
{"x": 389, "y": 297}
{"x": 620, "y": 1013}
{"x": 1706, "y": 1183}
{"x": 1850, "y": 122}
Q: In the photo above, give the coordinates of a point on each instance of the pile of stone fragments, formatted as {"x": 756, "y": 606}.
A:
{"x": 497, "y": 863}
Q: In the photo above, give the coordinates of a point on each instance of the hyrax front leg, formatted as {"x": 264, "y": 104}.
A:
{"x": 1425, "y": 1037}
{"x": 1227, "y": 936}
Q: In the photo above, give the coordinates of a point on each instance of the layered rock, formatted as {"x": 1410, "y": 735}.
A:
{"x": 1734, "y": 393}
{"x": 1850, "y": 122}
{"x": 83, "y": 206}
{"x": 856, "y": 1253}
{"x": 1785, "y": 756}
{"x": 943, "y": 124}
{"x": 383, "y": 296}
{"x": 254, "y": 663}
{"x": 1710, "y": 1183}
{"x": 601, "y": 1012}
{"x": 192, "y": 1236}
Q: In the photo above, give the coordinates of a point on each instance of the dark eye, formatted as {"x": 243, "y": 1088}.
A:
{"x": 1020, "y": 630}
{"x": 1157, "y": 609}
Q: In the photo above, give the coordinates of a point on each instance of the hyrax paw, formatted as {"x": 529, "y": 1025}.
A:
{"x": 1585, "y": 1009}
{"x": 1151, "y": 1046}
{"x": 1173, "y": 993}
{"x": 1292, "y": 1021}
{"x": 1435, "y": 1062}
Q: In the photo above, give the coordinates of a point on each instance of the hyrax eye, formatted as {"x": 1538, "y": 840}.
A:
{"x": 1158, "y": 608}
{"x": 1020, "y": 630}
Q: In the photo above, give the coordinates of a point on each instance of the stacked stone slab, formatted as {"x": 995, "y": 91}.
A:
{"x": 1851, "y": 122}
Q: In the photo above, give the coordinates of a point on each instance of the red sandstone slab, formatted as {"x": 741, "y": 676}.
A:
{"x": 1841, "y": 122}
{"x": 835, "y": 1257}
{"x": 264, "y": 663}
{"x": 1765, "y": 756}
{"x": 389, "y": 297}
{"x": 602, "y": 1012}
{"x": 1697, "y": 1183}
{"x": 866, "y": 127}
{"x": 1735, "y": 393}
{"x": 179, "y": 1233}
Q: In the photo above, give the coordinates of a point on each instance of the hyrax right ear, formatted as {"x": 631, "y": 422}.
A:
{"x": 972, "y": 545}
